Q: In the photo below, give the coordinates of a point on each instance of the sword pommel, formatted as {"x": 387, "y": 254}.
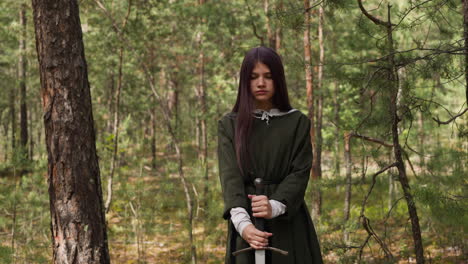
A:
{"x": 259, "y": 186}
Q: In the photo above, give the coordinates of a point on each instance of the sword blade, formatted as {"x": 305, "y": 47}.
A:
{"x": 259, "y": 222}
{"x": 260, "y": 256}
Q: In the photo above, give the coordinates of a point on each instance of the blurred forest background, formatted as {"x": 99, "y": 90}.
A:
{"x": 162, "y": 73}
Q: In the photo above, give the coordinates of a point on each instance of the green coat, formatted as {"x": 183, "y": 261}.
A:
{"x": 282, "y": 154}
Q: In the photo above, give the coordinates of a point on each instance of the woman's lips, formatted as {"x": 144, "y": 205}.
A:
{"x": 261, "y": 92}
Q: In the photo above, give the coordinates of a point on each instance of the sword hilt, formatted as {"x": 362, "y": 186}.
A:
{"x": 259, "y": 186}
{"x": 260, "y": 222}
{"x": 259, "y": 190}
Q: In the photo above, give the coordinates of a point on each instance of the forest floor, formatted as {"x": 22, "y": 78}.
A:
{"x": 147, "y": 224}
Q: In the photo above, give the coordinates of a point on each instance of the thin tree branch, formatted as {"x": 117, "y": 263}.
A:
{"x": 253, "y": 24}
{"x": 370, "y": 231}
{"x": 391, "y": 208}
{"x": 450, "y": 120}
{"x": 409, "y": 11}
{"x": 436, "y": 51}
{"x": 374, "y": 140}
{"x": 409, "y": 162}
{"x": 362, "y": 247}
{"x": 313, "y": 6}
{"x": 364, "y": 202}
{"x": 371, "y": 17}
{"x": 366, "y": 222}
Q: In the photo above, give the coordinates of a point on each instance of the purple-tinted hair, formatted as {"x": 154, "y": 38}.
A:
{"x": 245, "y": 101}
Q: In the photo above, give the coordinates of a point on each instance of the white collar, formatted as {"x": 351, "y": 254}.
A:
{"x": 265, "y": 115}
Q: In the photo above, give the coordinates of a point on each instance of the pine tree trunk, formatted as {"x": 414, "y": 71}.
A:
{"x": 403, "y": 178}
{"x": 39, "y": 137}
{"x": 110, "y": 102}
{"x": 336, "y": 118}
{"x": 22, "y": 83}
{"x": 115, "y": 132}
{"x": 308, "y": 70}
{"x": 197, "y": 134}
{"x": 31, "y": 137}
{"x": 271, "y": 34}
{"x": 421, "y": 138}
{"x": 174, "y": 102}
{"x": 317, "y": 162}
{"x": 309, "y": 81}
{"x": 348, "y": 180}
{"x": 153, "y": 136}
{"x": 76, "y": 207}
{"x": 391, "y": 184}
{"x": 278, "y": 31}
{"x": 14, "y": 218}
{"x": 13, "y": 118}
{"x": 202, "y": 102}
{"x": 465, "y": 36}
{"x": 395, "y": 119}
{"x": 6, "y": 128}
{"x": 203, "y": 154}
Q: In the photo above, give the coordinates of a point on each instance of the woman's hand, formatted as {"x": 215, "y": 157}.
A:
{"x": 261, "y": 206}
{"x": 256, "y": 238}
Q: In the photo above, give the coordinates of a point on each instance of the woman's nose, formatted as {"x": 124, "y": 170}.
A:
{"x": 261, "y": 81}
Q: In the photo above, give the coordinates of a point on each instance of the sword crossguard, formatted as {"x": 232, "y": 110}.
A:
{"x": 282, "y": 252}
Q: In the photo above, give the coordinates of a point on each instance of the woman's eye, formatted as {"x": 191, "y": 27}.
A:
{"x": 252, "y": 77}
{"x": 268, "y": 76}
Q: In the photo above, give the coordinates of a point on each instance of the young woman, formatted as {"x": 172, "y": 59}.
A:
{"x": 264, "y": 137}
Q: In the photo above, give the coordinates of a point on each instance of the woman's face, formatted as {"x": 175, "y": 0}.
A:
{"x": 262, "y": 86}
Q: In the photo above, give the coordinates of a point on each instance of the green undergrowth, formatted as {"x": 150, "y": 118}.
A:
{"x": 148, "y": 220}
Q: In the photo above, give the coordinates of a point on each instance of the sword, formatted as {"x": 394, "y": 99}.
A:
{"x": 260, "y": 225}
{"x": 259, "y": 222}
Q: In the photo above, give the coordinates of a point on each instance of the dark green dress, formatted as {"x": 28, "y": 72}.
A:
{"x": 282, "y": 155}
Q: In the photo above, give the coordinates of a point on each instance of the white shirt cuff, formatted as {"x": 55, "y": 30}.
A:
{"x": 277, "y": 208}
{"x": 240, "y": 218}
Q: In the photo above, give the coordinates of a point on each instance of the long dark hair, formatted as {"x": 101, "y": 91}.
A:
{"x": 245, "y": 103}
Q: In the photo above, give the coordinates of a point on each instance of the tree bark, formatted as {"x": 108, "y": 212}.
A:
{"x": 395, "y": 119}
{"x": 391, "y": 185}
{"x": 31, "y": 137}
{"x": 110, "y": 101}
{"x": 316, "y": 166}
{"x": 22, "y": 84}
{"x": 418, "y": 247}
{"x": 278, "y": 31}
{"x": 202, "y": 101}
{"x": 421, "y": 137}
{"x": 271, "y": 34}
{"x": 115, "y": 127}
{"x": 337, "y": 129}
{"x": 203, "y": 155}
{"x": 349, "y": 166}
{"x": 115, "y": 132}
{"x": 76, "y": 206}
{"x": 174, "y": 101}
{"x": 13, "y": 118}
{"x": 308, "y": 68}
{"x": 6, "y": 127}
{"x": 153, "y": 136}
{"x": 465, "y": 36}
{"x": 309, "y": 76}
{"x": 318, "y": 160}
